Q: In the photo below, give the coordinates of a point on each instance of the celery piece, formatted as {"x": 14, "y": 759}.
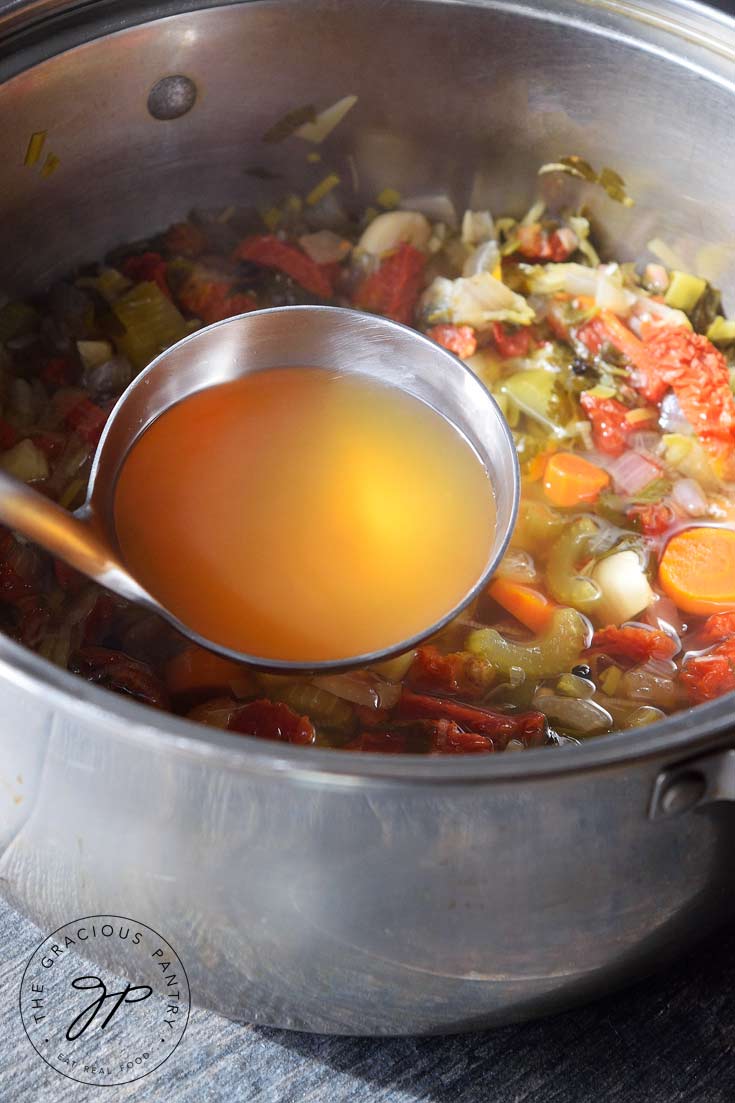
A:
{"x": 574, "y": 547}
{"x": 687, "y": 456}
{"x": 684, "y": 291}
{"x": 552, "y": 653}
{"x": 721, "y": 331}
{"x": 16, "y": 319}
{"x": 151, "y": 321}
{"x": 395, "y": 669}
{"x": 534, "y": 393}
{"x": 537, "y": 527}
{"x": 25, "y": 461}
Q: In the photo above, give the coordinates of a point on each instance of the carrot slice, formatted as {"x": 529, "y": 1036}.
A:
{"x": 697, "y": 570}
{"x": 196, "y": 671}
{"x": 570, "y": 479}
{"x": 527, "y": 605}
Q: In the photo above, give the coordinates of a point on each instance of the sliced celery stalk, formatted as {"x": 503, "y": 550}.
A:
{"x": 721, "y": 330}
{"x": 151, "y": 321}
{"x": 684, "y": 291}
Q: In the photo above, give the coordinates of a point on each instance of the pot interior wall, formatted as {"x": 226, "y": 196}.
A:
{"x": 470, "y": 99}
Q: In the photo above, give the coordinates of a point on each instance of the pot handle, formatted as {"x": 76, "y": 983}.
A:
{"x": 693, "y": 784}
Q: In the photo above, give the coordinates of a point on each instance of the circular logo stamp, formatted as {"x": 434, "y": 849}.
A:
{"x": 107, "y": 1023}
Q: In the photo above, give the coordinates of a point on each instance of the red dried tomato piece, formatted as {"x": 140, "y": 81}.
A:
{"x": 99, "y": 620}
{"x": 394, "y": 289}
{"x": 535, "y": 243}
{"x": 118, "y": 672}
{"x": 460, "y": 340}
{"x": 381, "y": 741}
{"x": 449, "y": 738}
{"x": 21, "y": 569}
{"x": 8, "y": 434}
{"x": 272, "y": 720}
{"x": 183, "y": 239}
{"x": 593, "y": 335}
{"x": 33, "y": 618}
{"x": 501, "y": 727}
{"x": 87, "y": 420}
{"x": 633, "y": 644}
{"x": 708, "y": 676}
{"x": 369, "y": 717}
{"x": 718, "y": 626}
{"x": 461, "y": 673}
{"x": 147, "y": 268}
{"x": 699, "y": 376}
{"x": 653, "y": 519}
{"x": 67, "y": 578}
{"x": 213, "y": 300}
{"x": 271, "y": 252}
{"x": 610, "y": 427}
{"x": 58, "y": 372}
{"x": 51, "y": 444}
{"x": 511, "y": 344}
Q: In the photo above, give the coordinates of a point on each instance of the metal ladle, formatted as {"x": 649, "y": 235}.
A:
{"x": 329, "y": 337}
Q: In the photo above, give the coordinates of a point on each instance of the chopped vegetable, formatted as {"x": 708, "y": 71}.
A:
{"x": 25, "y": 461}
{"x": 151, "y": 322}
{"x": 553, "y": 652}
{"x": 394, "y": 289}
{"x": 498, "y": 726}
{"x": 475, "y": 301}
{"x": 460, "y": 340}
{"x": 610, "y": 425}
{"x": 270, "y": 251}
{"x": 511, "y": 345}
{"x": 707, "y": 676}
{"x": 570, "y": 480}
{"x": 386, "y": 232}
{"x": 272, "y": 720}
{"x": 527, "y": 605}
{"x": 697, "y": 570}
{"x": 624, "y": 588}
{"x": 634, "y": 643}
{"x": 684, "y": 291}
{"x": 460, "y": 673}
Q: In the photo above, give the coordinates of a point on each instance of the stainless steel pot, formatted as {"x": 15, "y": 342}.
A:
{"x": 306, "y": 888}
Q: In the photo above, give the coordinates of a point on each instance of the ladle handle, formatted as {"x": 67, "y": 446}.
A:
{"x": 72, "y": 538}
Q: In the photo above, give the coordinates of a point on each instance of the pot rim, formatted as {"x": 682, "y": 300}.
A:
{"x": 686, "y": 731}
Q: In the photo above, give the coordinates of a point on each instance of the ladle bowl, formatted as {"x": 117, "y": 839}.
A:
{"x": 345, "y": 341}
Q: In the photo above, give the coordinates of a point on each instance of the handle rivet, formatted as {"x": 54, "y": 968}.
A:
{"x": 171, "y": 97}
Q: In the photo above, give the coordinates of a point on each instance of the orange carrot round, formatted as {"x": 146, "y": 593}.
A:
{"x": 697, "y": 570}
{"x": 570, "y": 480}
{"x": 527, "y": 605}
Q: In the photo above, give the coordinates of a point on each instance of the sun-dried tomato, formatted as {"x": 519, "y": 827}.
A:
{"x": 100, "y": 619}
{"x": 34, "y": 617}
{"x": 535, "y": 243}
{"x": 272, "y": 720}
{"x": 501, "y": 727}
{"x": 67, "y": 578}
{"x": 59, "y": 371}
{"x": 21, "y": 569}
{"x": 700, "y": 379}
{"x": 461, "y": 672}
{"x": 460, "y": 340}
{"x": 51, "y": 444}
{"x": 394, "y": 288}
{"x": 449, "y": 738}
{"x": 381, "y": 741}
{"x": 718, "y": 626}
{"x": 213, "y": 299}
{"x": 428, "y": 736}
{"x": 593, "y": 335}
{"x": 652, "y": 519}
{"x": 147, "y": 267}
{"x": 184, "y": 239}
{"x": 87, "y": 420}
{"x": 369, "y": 717}
{"x": 511, "y": 344}
{"x": 708, "y": 676}
{"x": 271, "y": 252}
{"x": 116, "y": 671}
{"x": 610, "y": 427}
{"x": 633, "y": 644}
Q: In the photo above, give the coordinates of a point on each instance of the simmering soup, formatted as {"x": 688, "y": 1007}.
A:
{"x": 312, "y": 515}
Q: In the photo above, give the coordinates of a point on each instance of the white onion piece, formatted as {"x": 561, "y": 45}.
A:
{"x": 477, "y": 227}
{"x": 672, "y": 419}
{"x": 645, "y": 441}
{"x": 644, "y": 684}
{"x": 664, "y": 615}
{"x": 689, "y": 496}
{"x": 610, "y": 293}
{"x": 360, "y": 689}
{"x": 518, "y": 565}
{"x": 484, "y": 258}
{"x": 324, "y": 247}
{"x": 632, "y": 471}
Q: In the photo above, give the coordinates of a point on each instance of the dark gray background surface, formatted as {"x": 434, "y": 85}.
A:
{"x": 668, "y": 1040}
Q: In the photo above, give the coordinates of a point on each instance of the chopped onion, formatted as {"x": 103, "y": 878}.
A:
{"x": 25, "y": 461}
{"x": 646, "y": 683}
{"x": 94, "y": 353}
{"x": 664, "y": 615}
{"x": 671, "y": 419}
{"x": 361, "y": 689}
{"x": 324, "y": 247}
{"x": 109, "y": 378}
{"x": 484, "y": 258}
{"x": 689, "y": 496}
{"x": 610, "y": 293}
{"x": 518, "y": 565}
{"x": 645, "y": 714}
{"x": 478, "y": 227}
{"x": 632, "y": 471}
{"x": 645, "y": 441}
{"x": 476, "y": 301}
